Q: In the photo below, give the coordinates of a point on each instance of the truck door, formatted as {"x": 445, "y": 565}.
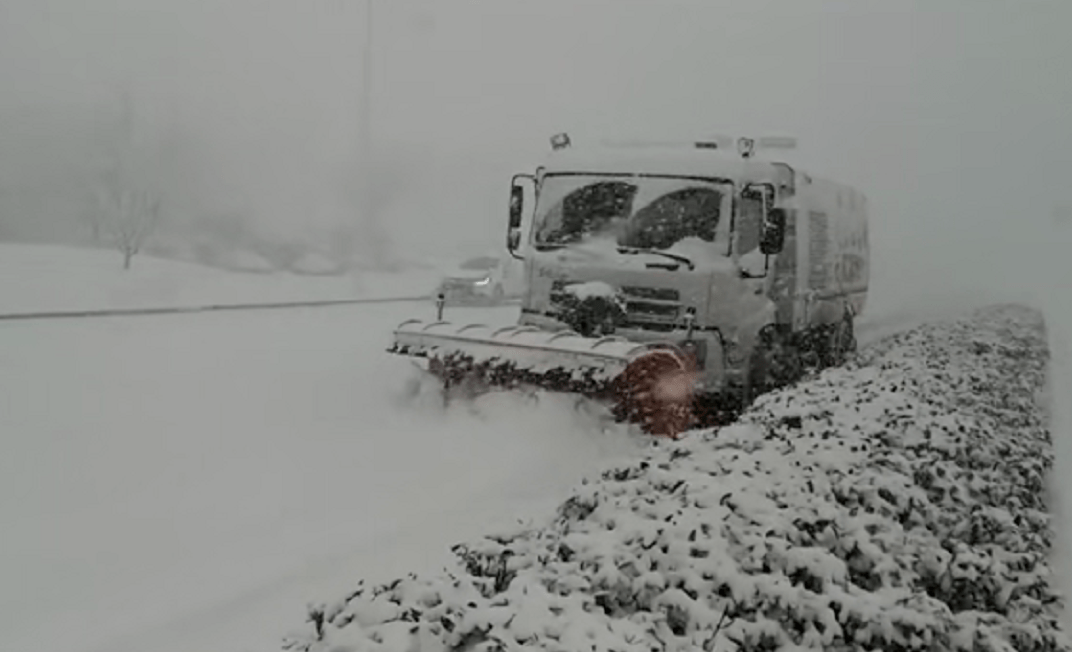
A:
{"x": 752, "y": 206}
{"x": 781, "y": 269}
{"x": 784, "y": 290}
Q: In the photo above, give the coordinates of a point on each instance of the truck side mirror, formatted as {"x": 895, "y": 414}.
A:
{"x": 773, "y": 238}
{"x": 517, "y": 202}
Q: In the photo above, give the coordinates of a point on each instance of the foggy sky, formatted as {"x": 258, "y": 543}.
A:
{"x": 951, "y": 116}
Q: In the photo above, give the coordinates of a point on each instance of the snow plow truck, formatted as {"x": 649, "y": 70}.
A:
{"x": 676, "y": 282}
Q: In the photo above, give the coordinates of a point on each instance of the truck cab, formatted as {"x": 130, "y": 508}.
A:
{"x": 690, "y": 245}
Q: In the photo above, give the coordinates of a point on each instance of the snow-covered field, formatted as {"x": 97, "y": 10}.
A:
{"x": 182, "y": 483}
{"x": 191, "y": 482}
{"x": 40, "y": 278}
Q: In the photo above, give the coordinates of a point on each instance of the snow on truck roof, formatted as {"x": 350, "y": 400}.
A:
{"x": 675, "y": 161}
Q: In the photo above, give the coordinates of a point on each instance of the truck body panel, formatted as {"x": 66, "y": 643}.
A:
{"x": 820, "y": 275}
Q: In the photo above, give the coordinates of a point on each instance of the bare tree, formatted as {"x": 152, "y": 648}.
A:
{"x": 133, "y": 216}
{"x": 127, "y": 209}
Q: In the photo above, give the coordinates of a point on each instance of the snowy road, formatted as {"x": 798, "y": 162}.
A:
{"x": 182, "y": 483}
{"x": 189, "y": 482}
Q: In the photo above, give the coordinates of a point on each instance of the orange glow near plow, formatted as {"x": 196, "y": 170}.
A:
{"x": 658, "y": 389}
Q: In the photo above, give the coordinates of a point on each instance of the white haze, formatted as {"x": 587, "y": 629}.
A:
{"x": 951, "y": 116}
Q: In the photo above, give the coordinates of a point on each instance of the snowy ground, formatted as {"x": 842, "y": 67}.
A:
{"x": 1058, "y": 303}
{"x": 182, "y": 483}
{"x": 179, "y": 483}
{"x": 37, "y": 278}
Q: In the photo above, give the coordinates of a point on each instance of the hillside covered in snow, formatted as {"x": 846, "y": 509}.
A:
{"x": 46, "y": 278}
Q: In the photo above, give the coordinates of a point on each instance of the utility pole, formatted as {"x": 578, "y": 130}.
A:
{"x": 365, "y": 120}
{"x": 375, "y": 240}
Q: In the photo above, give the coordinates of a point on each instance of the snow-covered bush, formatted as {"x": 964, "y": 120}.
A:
{"x": 894, "y": 503}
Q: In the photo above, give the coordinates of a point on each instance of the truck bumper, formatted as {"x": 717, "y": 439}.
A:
{"x": 713, "y": 372}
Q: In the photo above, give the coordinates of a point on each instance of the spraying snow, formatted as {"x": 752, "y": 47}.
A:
{"x": 206, "y": 476}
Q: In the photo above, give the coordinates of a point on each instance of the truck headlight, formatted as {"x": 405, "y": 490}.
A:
{"x": 698, "y": 349}
{"x": 483, "y": 281}
{"x": 733, "y": 353}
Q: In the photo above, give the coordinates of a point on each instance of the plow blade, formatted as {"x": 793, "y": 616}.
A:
{"x": 647, "y": 383}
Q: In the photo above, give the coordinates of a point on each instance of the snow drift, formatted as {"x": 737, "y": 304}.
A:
{"x": 52, "y": 278}
{"x": 895, "y": 503}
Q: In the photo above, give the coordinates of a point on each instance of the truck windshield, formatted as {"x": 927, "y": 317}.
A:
{"x": 636, "y": 212}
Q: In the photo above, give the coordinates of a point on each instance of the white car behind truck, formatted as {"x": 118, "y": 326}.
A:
{"x": 487, "y": 278}
{"x": 645, "y": 263}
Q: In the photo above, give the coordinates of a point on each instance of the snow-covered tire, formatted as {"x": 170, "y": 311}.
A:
{"x": 840, "y": 343}
{"x": 775, "y": 362}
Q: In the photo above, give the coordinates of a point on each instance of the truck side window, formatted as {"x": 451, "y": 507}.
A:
{"x": 749, "y": 224}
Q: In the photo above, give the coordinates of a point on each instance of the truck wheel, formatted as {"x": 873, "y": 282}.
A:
{"x": 775, "y": 362}
{"x": 717, "y": 408}
{"x": 755, "y": 382}
{"x": 841, "y": 343}
{"x": 812, "y": 347}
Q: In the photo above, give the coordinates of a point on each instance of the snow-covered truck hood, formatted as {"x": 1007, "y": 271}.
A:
{"x": 656, "y": 298}
{"x": 704, "y": 256}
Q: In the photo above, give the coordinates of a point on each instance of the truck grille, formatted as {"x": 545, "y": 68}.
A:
{"x": 650, "y": 308}
{"x": 645, "y": 307}
{"x": 657, "y": 294}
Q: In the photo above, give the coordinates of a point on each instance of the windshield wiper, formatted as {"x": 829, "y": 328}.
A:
{"x": 643, "y": 250}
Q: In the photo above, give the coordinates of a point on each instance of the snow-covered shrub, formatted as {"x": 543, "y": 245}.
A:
{"x": 894, "y": 503}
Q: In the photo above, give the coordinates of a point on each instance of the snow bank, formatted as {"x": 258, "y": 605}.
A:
{"x": 37, "y": 278}
{"x": 316, "y": 264}
{"x": 1059, "y": 328}
{"x": 895, "y": 503}
{"x": 247, "y": 261}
